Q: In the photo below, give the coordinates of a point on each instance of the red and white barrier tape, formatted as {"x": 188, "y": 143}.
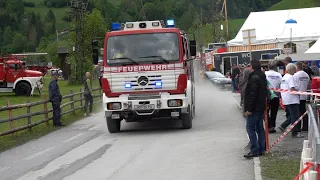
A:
{"x": 294, "y": 92}
{"x": 309, "y": 165}
{"x": 287, "y": 131}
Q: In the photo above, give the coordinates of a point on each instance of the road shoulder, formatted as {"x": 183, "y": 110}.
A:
{"x": 256, "y": 160}
{"x": 283, "y": 161}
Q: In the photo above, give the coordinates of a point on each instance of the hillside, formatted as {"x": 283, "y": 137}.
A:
{"x": 293, "y": 4}
{"x": 235, "y": 24}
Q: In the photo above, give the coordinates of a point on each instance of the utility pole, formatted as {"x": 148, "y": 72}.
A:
{"x": 226, "y": 17}
{"x": 213, "y": 10}
{"x": 77, "y": 11}
{"x": 200, "y": 40}
{"x": 144, "y": 17}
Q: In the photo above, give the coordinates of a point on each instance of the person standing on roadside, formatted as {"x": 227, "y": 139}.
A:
{"x": 307, "y": 69}
{"x": 302, "y": 80}
{"x": 243, "y": 80}
{"x": 235, "y": 77}
{"x": 254, "y": 105}
{"x": 55, "y": 99}
{"x": 291, "y": 101}
{"x": 315, "y": 69}
{"x": 274, "y": 80}
{"x": 88, "y": 94}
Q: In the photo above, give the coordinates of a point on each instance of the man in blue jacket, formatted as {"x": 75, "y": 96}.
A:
{"x": 55, "y": 99}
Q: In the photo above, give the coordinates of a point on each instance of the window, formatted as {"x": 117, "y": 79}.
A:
{"x": 14, "y": 67}
{"x": 311, "y": 44}
{"x": 294, "y": 47}
{"x": 142, "y": 48}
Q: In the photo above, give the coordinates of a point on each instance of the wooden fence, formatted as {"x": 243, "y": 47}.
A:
{"x": 73, "y": 98}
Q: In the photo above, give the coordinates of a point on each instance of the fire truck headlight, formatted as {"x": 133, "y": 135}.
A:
{"x": 170, "y": 23}
{"x": 158, "y": 84}
{"x": 114, "y": 106}
{"x": 175, "y": 103}
{"x": 127, "y": 85}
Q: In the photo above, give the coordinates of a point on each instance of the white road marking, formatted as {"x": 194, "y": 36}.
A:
{"x": 4, "y": 169}
{"x": 39, "y": 153}
{"x": 68, "y": 158}
{"x": 94, "y": 127}
{"x": 85, "y": 126}
{"x": 72, "y": 138}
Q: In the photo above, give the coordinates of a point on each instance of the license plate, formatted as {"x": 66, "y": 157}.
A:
{"x": 144, "y": 106}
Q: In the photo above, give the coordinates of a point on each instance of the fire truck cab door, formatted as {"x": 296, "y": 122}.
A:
{"x": 2, "y": 72}
{"x": 14, "y": 71}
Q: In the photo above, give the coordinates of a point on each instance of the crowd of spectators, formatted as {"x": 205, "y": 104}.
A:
{"x": 255, "y": 85}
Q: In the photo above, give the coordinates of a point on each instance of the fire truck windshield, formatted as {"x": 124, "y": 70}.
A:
{"x": 142, "y": 48}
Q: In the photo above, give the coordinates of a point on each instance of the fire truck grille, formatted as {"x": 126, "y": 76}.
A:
{"x": 144, "y": 81}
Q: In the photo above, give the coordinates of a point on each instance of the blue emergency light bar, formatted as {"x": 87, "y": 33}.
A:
{"x": 127, "y": 85}
{"x": 170, "y": 23}
{"x": 115, "y": 26}
{"x": 158, "y": 84}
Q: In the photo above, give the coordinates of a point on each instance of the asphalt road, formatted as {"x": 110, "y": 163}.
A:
{"x": 157, "y": 150}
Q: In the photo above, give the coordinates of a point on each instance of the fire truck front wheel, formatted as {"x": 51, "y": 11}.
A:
{"x": 113, "y": 125}
{"x": 186, "y": 119}
{"x": 23, "y": 89}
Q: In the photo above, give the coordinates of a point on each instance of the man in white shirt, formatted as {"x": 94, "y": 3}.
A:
{"x": 302, "y": 80}
{"x": 291, "y": 101}
{"x": 274, "y": 80}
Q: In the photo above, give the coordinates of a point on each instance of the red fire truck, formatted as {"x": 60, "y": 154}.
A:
{"x": 14, "y": 77}
{"x": 148, "y": 73}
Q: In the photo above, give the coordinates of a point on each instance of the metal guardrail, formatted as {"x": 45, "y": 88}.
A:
{"x": 313, "y": 133}
{"x": 72, "y": 100}
{"x": 311, "y": 147}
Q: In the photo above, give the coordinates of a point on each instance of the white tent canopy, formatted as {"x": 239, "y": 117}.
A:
{"x": 271, "y": 27}
{"x": 315, "y": 48}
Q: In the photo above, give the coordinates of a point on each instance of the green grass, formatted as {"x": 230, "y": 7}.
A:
{"x": 234, "y": 26}
{"x": 293, "y": 4}
{"x": 279, "y": 166}
{"x": 9, "y": 141}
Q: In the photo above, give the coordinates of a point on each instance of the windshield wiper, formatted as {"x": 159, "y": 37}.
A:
{"x": 159, "y": 57}
{"x": 126, "y": 58}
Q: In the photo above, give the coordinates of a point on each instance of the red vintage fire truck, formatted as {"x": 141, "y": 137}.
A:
{"x": 148, "y": 73}
{"x": 35, "y": 61}
{"x": 14, "y": 77}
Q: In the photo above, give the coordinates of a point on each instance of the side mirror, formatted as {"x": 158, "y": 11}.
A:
{"x": 95, "y": 56}
{"x": 95, "y": 52}
{"x": 193, "y": 48}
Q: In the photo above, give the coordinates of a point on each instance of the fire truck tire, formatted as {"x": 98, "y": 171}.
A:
{"x": 23, "y": 89}
{"x": 113, "y": 125}
{"x": 186, "y": 119}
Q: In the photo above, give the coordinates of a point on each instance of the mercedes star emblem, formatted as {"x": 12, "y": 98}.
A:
{"x": 143, "y": 80}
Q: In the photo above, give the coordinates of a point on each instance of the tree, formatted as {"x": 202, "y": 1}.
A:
{"x": 7, "y": 36}
{"x": 20, "y": 43}
{"x": 94, "y": 26}
{"x": 50, "y": 17}
{"x": 15, "y": 8}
